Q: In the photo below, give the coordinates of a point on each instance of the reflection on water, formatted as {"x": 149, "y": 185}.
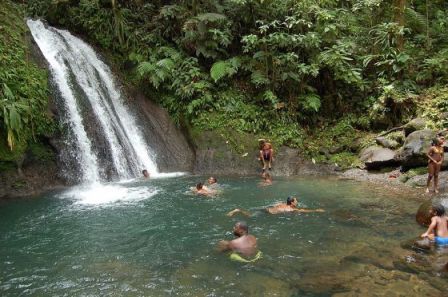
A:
{"x": 153, "y": 238}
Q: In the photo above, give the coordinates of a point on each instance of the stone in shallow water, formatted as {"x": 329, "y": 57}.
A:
{"x": 379, "y": 282}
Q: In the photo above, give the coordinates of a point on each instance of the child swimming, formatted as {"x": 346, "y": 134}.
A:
{"x": 438, "y": 229}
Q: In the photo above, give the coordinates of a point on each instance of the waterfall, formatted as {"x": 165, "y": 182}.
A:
{"x": 104, "y": 139}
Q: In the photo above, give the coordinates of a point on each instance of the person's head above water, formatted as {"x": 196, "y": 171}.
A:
{"x": 438, "y": 210}
{"x": 199, "y": 186}
{"x": 291, "y": 201}
{"x": 240, "y": 228}
{"x": 145, "y": 173}
{"x": 212, "y": 180}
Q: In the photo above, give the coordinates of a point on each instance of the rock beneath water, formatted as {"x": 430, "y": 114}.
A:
{"x": 423, "y": 216}
{"x": 417, "y": 244}
{"x": 415, "y": 148}
{"x": 375, "y": 157}
{"x": 414, "y": 125}
{"x": 387, "y": 143}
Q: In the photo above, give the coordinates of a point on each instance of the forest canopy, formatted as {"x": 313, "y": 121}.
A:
{"x": 272, "y": 67}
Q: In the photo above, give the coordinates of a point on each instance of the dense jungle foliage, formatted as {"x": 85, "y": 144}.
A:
{"x": 23, "y": 87}
{"x": 321, "y": 70}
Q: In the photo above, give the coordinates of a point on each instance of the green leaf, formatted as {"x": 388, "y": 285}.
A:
{"x": 219, "y": 70}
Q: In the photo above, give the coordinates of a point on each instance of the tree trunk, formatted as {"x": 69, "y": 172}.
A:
{"x": 399, "y": 18}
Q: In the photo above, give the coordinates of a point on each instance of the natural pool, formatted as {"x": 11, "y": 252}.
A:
{"x": 154, "y": 238}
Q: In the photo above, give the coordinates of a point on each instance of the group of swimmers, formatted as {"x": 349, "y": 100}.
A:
{"x": 244, "y": 247}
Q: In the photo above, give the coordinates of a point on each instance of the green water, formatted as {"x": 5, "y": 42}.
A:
{"x": 154, "y": 238}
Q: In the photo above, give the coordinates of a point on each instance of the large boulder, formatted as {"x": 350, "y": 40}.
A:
{"x": 423, "y": 216}
{"x": 415, "y": 148}
{"x": 375, "y": 157}
{"x": 387, "y": 143}
{"x": 414, "y": 125}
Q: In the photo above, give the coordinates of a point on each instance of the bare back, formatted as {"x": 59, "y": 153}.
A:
{"x": 442, "y": 226}
{"x": 246, "y": 245}
{"x": 280, "y": 208}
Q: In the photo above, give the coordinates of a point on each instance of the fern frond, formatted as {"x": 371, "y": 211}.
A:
{"x": 218, "y": 70}
{"x": 145, "y": 68}
{"x": 415, "y": 20}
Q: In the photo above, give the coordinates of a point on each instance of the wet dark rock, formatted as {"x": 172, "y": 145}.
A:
{"x": 418, "y": 244}
{"x": 387, "y": 143}
{"x": 423, "y": 216}
{"x": 415, "y": 148}
{"x": 415, "y": 263}
{"x": 172, "y": 149}
{"x": 414, "y": 125}
{"x": 375, "y": 157}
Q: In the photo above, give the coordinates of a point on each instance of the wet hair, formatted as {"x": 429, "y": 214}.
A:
{"x": 439, "y": 209}
{"x": 199, "y": 186}
{"x": 289, "y": 200}
{"x": 144, "y": 170}
{"x": 243, "y": 226}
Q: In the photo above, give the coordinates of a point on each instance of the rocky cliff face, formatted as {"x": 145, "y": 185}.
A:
{"x": 173, "y": 152}
{"x": 217, "y": 155}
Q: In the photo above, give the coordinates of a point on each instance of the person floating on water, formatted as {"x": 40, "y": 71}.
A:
{"x": 266, "y": 155}
{"x": 435, "y": 156}
{"x": 244, "y": 247}
{"x": 289, "y": 206}
{"x": 145, "y": 173}
{"x": 438, "y": 229}
{"x": 200, "y": 189}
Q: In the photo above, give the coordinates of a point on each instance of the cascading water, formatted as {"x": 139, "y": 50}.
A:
{"x": 88, "y": 90}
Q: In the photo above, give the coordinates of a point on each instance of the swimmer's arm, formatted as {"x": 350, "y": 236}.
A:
{"x": 309, "y": 210}
{"x": 430, "y": 228}
{"x": 224, "y": 245}
{"x": 237, "y": 210}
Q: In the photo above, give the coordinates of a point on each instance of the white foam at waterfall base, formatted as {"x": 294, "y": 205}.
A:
{"x": 108, "y": 194}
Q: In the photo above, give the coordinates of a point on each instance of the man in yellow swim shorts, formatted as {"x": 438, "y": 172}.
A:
{"x": 245, "y": 245}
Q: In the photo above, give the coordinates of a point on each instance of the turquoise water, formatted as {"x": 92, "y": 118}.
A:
{"x": 154, "y": 238}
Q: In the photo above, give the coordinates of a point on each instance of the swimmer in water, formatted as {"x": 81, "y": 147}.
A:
{"x": 244, "y": 245}
{"x": 438, "y": 229}
{"x": 289, "y": 206}
{"x": 213, "y": 183}
{"x": 200, "y": 189}
{"x": 145, "y": 173}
